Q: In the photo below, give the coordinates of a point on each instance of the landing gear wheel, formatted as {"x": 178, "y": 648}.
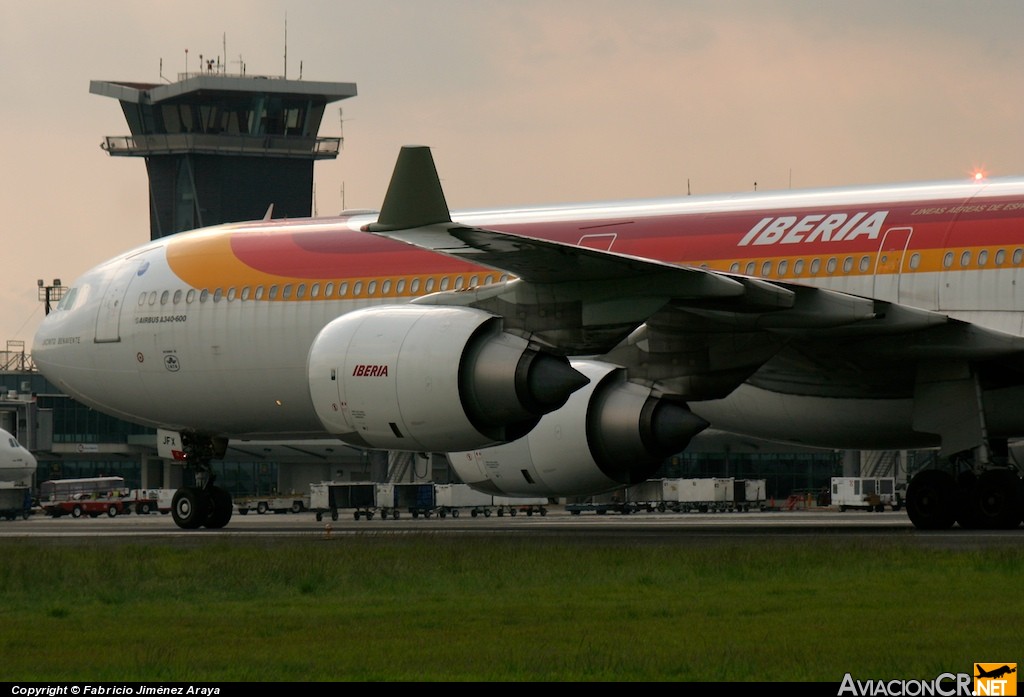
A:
{"x": 967, "y": 514}
{"x": 220, "y": 508}
{"x": 996, "y": 501}
{"x": 189, "y": 508}
{"x": 931, "y": 500}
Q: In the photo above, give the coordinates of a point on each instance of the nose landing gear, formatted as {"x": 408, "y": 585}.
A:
{"x": 204, "y": 505}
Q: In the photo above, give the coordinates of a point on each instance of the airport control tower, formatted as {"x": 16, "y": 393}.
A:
{"x": 222, "y": 148}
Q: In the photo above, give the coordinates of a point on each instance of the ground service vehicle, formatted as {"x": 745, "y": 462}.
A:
{"x": 866, "y": 493}
{"x": 15, "y": 501}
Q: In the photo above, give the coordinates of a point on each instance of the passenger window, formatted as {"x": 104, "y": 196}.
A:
{"x": 915, "y": 260}
{"x": 473, "y": 281}
{"x": 430, "y": 285}
{"x": 400, "y": 287}
{"x": 965, "y": 259}
{"x": 385, "y": 288}
{"x": 246, "y": 292}
{"x": 177, "y": 296}
{"x": 415, "y": 288}
{"x": 947, "y": 260}
{"x": 815, "y": 266}
{"x": 217, "y": 295}
{"x": 847, "y": 264}
{"x": 766, "y": 268}
{"x": 300, "y": 292}
{"x": 865, "y": 263}
{"x": 371, "y": 288}
{"x": 982, "y": 257}
{"x": 1000, "y": 257}
{"x": 142, "y": 299}
{"x": 459, "y": 282}
{"x": 164, "y": 297}
{"x": 314, "y": 291}
{"x": 190, "y": 296}
{"x": 445, "y": 282}
{"x": 204, "y": 294}
{"x": 259, "y": 293}
{"x": 830, "y": 267}
{"x": 798, "y": 267}
{"x": 152, "y": 297}
{"x": 343, "y": 289}
{"x": 272, "y": 293}
{"x": 749, "y": 271}
{"x": 783, "y": 265}
{"x": 488, "y": 280}
{"x": 1017, "y": 255}
{"x": 232, "y": 293}
{"x": 735, "y": 268}
{"x": 286, "y": 292}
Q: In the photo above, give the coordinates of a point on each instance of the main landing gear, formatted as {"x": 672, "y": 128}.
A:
{"x": 979, "y": 490}
{"x": 204, "y": 505}
{"x": 973, "y": 498}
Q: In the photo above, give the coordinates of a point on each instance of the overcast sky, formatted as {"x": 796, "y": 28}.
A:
{"x": 522, "y": 101}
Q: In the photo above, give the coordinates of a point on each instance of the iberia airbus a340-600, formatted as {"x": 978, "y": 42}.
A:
{"x": 567, "y": 350}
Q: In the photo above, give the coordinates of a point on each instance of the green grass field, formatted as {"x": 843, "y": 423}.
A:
{"x": 449, "y": 608}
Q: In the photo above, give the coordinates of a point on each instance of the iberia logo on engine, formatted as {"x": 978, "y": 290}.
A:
{"x": 370, "y": 371}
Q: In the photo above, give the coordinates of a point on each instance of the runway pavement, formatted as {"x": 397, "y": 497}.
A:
{"x": 681, "y": 528}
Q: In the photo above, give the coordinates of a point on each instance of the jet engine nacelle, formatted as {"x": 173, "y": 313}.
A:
{"x": 609, "y": 434}
{"x": 431, "y": 378}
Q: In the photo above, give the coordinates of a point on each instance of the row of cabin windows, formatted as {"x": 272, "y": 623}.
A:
{"x": 863, "y": 265}
{"x": 302, "y": 291}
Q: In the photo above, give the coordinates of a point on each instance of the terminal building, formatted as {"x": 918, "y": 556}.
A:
{"x": 225, "y": 148}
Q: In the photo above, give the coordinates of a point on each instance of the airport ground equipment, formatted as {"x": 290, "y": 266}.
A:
{"x": 865, "y": 493}
{"x": 81, "y": 505}
{"x": 281, "y": 503}
{"x": 419, "y": 499}
{"x": 602, "y": 504}
{"x": 364, "y": 499}
{"x": 651, "y": 495}
{"x": 600, "y": 508}
{"x": 702, "y": 494}
{"x": 15, "y": 501}
{"x": 453, "y": 499}
{"x": 512, "y": 505}
{"x": 749, "y": 494}
{"x": 144, "y": 501}
{"x": 683, "y": 495}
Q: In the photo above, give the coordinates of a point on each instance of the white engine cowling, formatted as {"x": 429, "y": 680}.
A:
{"x": 609, "y": 434}
{"x": 431, "y": 379}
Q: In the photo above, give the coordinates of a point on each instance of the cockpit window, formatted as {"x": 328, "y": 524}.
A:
{"x": 68, "y": 301}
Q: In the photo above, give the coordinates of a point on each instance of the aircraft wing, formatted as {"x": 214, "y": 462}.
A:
{"x": 694, "y": 332}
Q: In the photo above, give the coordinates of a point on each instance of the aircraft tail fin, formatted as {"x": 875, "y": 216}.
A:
{"x": 414, "y": 196}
